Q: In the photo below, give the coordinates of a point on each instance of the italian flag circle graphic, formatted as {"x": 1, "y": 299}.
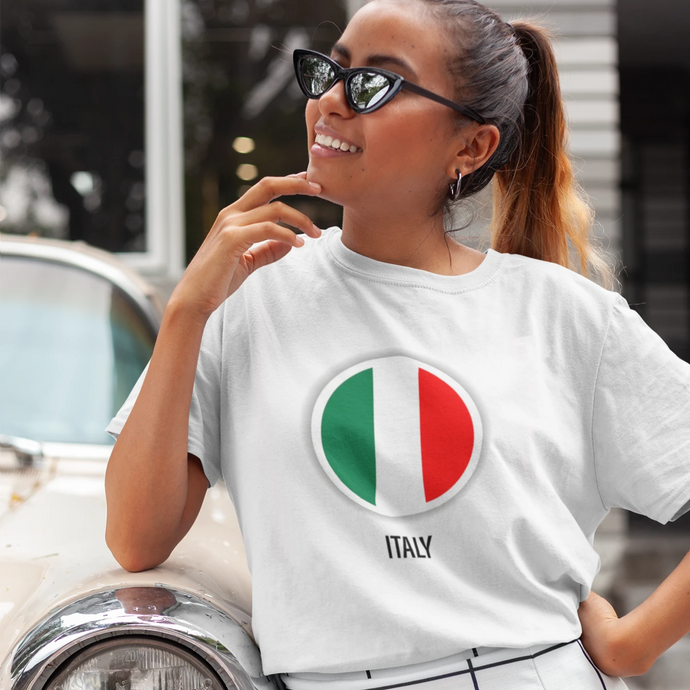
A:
{"x": 396, "y": 435}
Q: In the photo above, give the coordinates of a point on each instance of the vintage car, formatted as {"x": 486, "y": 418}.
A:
{"x": 76, "y": 329}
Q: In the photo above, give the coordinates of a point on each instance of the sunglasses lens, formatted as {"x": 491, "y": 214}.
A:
{"x": 317, "y": 75}
{"x": 368, "y": 89}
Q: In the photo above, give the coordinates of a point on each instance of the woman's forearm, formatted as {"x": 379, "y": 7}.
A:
{"x": 658, "y": 622}
{"x": 146, "y": 478}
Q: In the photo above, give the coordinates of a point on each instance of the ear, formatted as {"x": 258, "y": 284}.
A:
{"x": 476, "y": 144}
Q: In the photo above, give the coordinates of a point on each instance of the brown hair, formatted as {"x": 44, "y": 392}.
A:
{"x": 509, "y": 75}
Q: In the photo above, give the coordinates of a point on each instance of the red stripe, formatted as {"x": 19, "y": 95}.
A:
{"x": 446, "y": 432}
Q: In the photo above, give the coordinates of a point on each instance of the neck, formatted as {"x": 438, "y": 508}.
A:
{"x": 399, "y": 238}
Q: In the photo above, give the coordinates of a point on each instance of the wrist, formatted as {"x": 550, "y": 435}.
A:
{"x": 181, "y": 312}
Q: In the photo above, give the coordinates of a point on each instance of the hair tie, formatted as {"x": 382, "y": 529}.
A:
{"x": 512, "y": 28}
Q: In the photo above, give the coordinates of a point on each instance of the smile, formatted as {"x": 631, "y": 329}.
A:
{"x": 335, "y": 144}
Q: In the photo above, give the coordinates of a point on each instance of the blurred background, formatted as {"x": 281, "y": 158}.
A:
{"x": 128, "y": 124}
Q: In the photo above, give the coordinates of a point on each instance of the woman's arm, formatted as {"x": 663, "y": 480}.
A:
{"x": 629, "y": 646}
{"x": 153, "y": 487}
{"x": 147, "y": 478}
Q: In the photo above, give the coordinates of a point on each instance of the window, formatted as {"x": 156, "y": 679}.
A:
{"x": 243, "y": 110}
{"x": 88, "y": 113}
{"x": 72, "y": 347}
{"x": 655, "y": 123}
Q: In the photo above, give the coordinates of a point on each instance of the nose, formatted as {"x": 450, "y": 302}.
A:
{"x": 334, "y": 101}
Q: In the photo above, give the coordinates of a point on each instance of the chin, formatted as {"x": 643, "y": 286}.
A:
{"x": 329, "y": 189}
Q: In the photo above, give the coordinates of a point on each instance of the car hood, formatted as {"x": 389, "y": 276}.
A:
{"x": 53, "y": 550}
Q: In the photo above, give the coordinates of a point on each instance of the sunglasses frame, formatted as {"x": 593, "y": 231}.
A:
{"x": 398, "y": 83}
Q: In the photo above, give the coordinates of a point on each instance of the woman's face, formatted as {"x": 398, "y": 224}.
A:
{"x": 405, "y": 148}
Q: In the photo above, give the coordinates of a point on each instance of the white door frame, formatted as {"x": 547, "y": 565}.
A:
{"x": 163, "y": 144}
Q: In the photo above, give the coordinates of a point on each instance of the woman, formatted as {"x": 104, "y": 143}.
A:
{"x": 420, "y": 439}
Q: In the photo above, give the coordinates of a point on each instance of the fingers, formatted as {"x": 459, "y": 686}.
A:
{"x": 278, "y": 212}
{"x": 212, "y": 275}
{"x": 269, "y": 188}
{"x": 265, "y": 253}
{"x": 244, "y": 237}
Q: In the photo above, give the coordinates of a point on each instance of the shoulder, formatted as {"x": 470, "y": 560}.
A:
{"x": 555, "y": 281}
{"x": 569, "y": 306}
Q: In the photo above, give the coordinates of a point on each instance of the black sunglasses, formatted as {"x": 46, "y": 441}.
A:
{"x": 366, "y": 88}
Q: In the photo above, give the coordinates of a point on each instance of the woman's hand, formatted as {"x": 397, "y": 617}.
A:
{"x": 229, "y": 253}
{"x": 603, "y": 637}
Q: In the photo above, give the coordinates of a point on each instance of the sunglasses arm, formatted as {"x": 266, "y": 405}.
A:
{"x": 469, "y": 112}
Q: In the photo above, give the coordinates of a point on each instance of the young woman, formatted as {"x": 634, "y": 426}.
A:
{"x": 420, "y": 438}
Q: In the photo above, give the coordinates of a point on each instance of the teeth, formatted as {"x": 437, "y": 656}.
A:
{"x": 332, "y": 143}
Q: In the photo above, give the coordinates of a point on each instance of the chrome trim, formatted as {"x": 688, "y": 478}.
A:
{"x": 26, "y": 451}
{"x": 160, "y": 612}
{"x": 30, "y": 453}
{"x": 86, "y": 262}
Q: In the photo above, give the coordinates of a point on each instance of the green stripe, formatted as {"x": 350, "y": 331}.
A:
{"x": 347, "y": 434}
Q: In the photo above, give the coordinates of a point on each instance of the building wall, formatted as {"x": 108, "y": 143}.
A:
{"x": 587, "y": 54}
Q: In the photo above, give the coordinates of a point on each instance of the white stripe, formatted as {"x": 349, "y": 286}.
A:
{"x": 399, "y": 478}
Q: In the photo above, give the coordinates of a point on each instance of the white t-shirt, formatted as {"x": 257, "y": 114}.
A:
{"x": 419, "y": 462}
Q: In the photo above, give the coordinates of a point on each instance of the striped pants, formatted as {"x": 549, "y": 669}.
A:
{"x": 564, "y": 666}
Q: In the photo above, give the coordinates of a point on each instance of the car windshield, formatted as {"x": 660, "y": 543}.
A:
{"x": 72, "y": 345}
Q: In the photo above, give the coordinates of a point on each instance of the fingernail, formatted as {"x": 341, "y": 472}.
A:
{"x": 317, "y": 228}
{"x": 300, "y": 240}
{"x": 315, "y": 185}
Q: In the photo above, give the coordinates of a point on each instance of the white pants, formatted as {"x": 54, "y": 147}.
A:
{"x": 541, "y": 667}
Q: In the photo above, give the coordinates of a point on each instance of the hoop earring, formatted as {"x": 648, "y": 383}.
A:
{"x": 455, "y": 187}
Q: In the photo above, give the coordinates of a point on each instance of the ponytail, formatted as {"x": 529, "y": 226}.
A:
{"x": 508, "y": 74}
{"x": 539, "y": 208}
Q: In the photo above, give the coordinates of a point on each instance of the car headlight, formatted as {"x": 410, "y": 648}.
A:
{"x": 134, "y": 663}
{"x": 138, "y": 638}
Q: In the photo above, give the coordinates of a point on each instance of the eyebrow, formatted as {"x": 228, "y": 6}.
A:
{"x": 375, "y": 60}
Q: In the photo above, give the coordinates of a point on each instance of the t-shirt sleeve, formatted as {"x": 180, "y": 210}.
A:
{"x": 204, "y": 413}
{"x": 641, "y": 420}
{"x": 118, "y": 421}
